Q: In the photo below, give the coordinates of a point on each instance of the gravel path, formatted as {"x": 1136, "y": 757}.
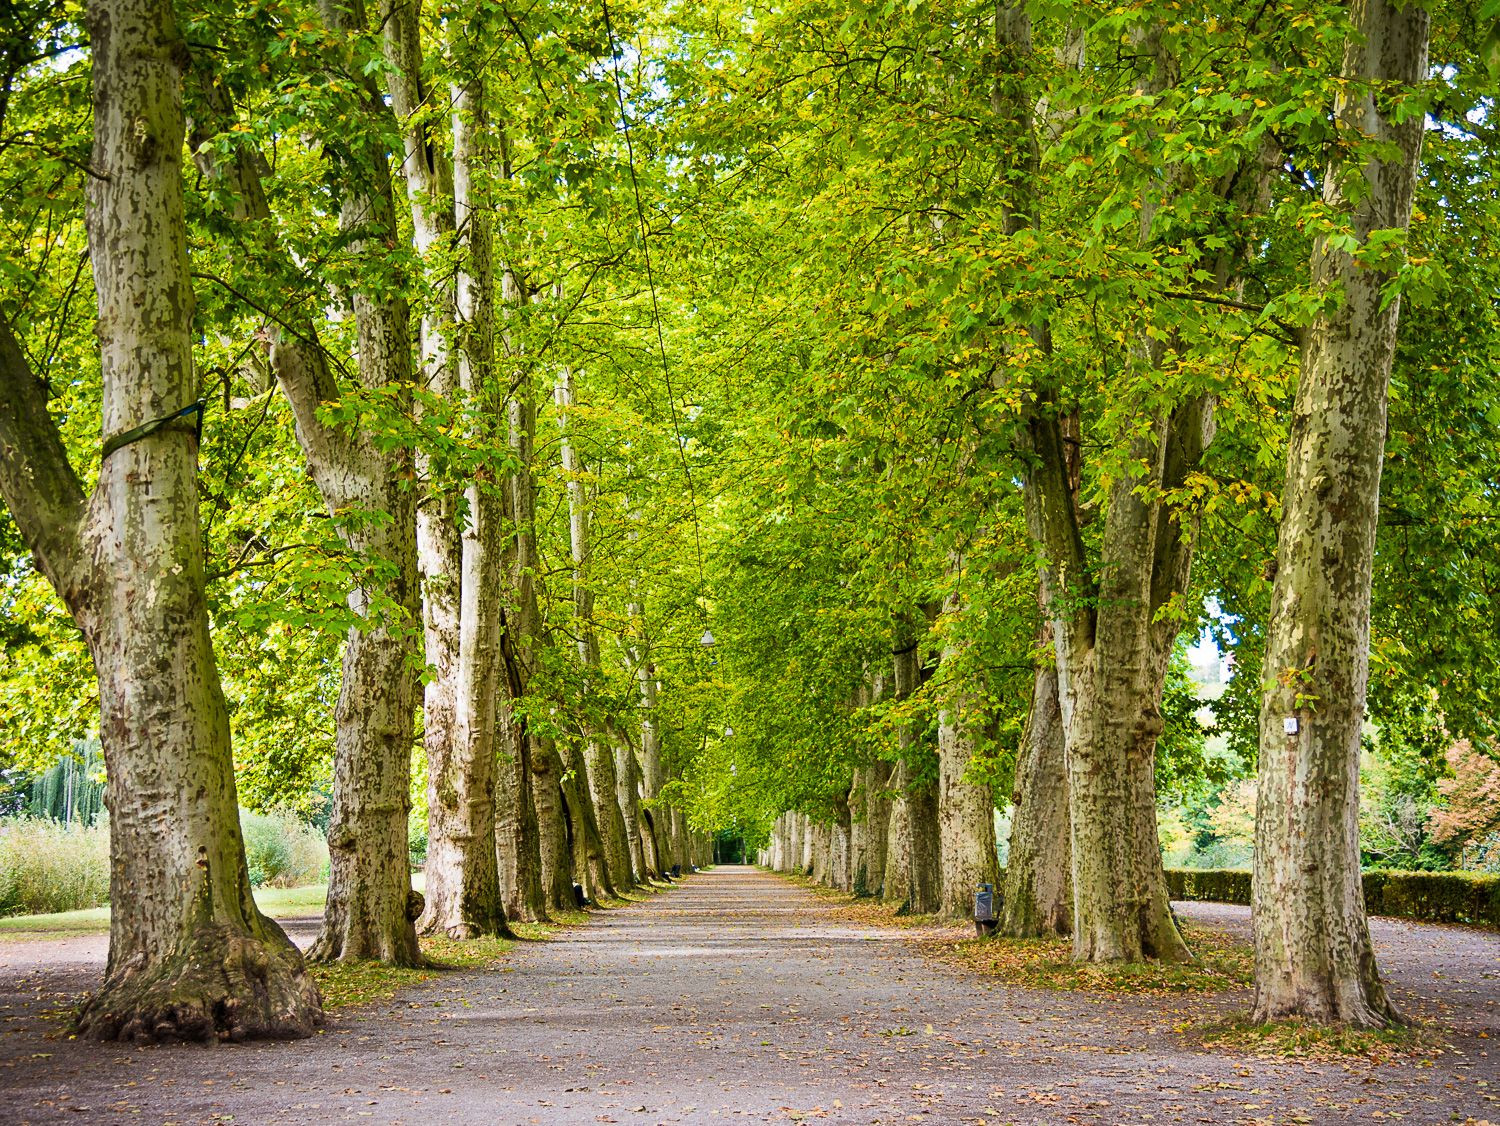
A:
{"x": 739, "y": 997}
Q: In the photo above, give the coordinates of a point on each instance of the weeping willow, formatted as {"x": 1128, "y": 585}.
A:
{"x": 73, "y": 790}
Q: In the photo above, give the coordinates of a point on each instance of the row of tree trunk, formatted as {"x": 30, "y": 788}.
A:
{"x": 1084, "y": 853}
{"x": 516, "y": 819}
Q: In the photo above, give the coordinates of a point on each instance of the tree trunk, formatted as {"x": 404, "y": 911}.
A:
{"x": 603, "y": 785}
{"x": 590, "y": 864}
{"x": 439, "y": 538}
{"x": 1110, "y": 701}
{"x": 681, "y": 842}
{"x": 1038, "y": 874}
{"x": 462, "y": 886}
{"x": 917, "y": 848}
{"x": 652, "y": 778}
{"x": 554, "y": 829}
{"x": 897, "y": 884}
{"x": 528, "y": 809}
{"x": 190, "y": 955}
{"x": 371, "y": 906}
{"x": 876, "y": 805}
{"x": 966, "y": 811}
{"x": 1313, "y": 956}
{"x": 840, "y": 870}
{"x": 628, "y": 783}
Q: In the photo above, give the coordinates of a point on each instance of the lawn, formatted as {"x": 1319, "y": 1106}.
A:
{"x": 279, "y": 903}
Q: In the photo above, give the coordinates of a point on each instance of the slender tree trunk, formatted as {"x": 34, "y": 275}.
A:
{"x": 652, "y": 775}
{"x": 530, "y": 804}
{"x": 840, "y": 869}
{"x": 1038, "y": 874}
{"x": 603, "y": 785}
{"x": 876, "y": 804}
{"x": 429, "y": 183}
{"x": 190, "y": 955}
{"x": 1312, "y": 946}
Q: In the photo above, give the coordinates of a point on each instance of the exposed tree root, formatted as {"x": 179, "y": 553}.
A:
{"x": 221, "y": 984}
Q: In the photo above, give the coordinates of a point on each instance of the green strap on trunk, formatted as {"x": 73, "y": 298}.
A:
{"x": 148, "y": 428}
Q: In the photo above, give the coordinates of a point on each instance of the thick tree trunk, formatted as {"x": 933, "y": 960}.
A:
{"x": 1313, "y": 956}
{"x": 1038, "y": 873}
{"x": 859, "y": 836}
{"x": 520, "y": 797}
{"x": 876, "y": 804}
{"x": 554, "y": 829}
{"x": 1110, "y": 701}
{"x": 966, "y": 810}
{"x": 370, "y": 905}
{"x": 897, "y": 884}
{"x": 590, "y": 864}
{"x": 463, "y": 874}
{"x": 464, "y": 891}
{"x": 190, "y": 955}
{"x": 1114, "y": 625}
{"x": 682, "y": 852}
{"x": 917, "y": 848}
{"x": 923, "y": 896}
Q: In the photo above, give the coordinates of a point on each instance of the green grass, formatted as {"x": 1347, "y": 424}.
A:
{"x": 1297, "y": 1039}
{"x": 363, "y": 983}
{"x": 91, "y": 920}
{"x": 1220, "y": 962}
{"x": 279, "y": 903}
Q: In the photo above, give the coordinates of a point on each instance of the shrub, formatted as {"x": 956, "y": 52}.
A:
{"x": 46, "y": 866}
{"x": 1437, "y": 897}
{"x": 282, "y": 850}
{"x": 1440, "y": 897}
{"x": 1215, "y": 885}
{"x": 416, "y": 842}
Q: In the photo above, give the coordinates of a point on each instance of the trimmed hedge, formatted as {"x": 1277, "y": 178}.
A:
{"x": 1436, "y": 897}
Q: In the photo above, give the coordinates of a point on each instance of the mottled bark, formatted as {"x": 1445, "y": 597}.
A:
{"x": 603, "y": 784}
{"x": 966, "y": 810}
{"x": 1038, "y": 873}
{"x": 875, "y": 804}
{"x": 653, "y": 777}
{"x": 1313, "y": 957}
{"x": 628, "y": 797}
{"x": 463, "y": 873}
{"x": 590, "y": 864}
{"x": 917, "y": 849}
{"x": 554, "y": 831}
{"x": 190, "y": 956}
{"x": 531, "y": 807}
{"x": 366, "y": 489}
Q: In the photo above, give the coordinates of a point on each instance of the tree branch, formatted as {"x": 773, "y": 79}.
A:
{"x": 36, "y": 478}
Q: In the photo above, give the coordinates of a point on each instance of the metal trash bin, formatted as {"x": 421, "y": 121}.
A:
{"x": 984, "y": 910}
